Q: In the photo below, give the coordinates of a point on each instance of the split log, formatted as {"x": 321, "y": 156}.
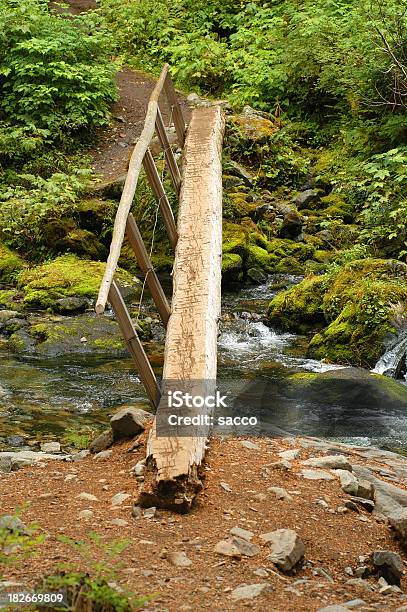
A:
{"x": 173, "y": 463}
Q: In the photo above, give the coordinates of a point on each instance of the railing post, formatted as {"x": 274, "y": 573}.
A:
{"x": 177, "y": 114}
{"x": 168, "y": 152}
{"x": 161, "y": 196}
{"x": 134, "y": 345}
{"x": 143, "y": 260}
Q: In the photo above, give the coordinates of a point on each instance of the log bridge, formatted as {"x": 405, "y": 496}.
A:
{"x": 173, "y": 463}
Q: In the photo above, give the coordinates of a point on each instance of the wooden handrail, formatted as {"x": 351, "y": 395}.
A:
{"x": 129, "y": 189}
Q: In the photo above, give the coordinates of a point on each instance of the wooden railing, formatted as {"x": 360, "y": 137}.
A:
{"x": 125, "y": 224}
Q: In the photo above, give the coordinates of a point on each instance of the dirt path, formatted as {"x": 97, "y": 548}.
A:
{"x": 237, "y": 493}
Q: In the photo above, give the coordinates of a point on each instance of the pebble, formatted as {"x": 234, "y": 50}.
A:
{"x": 225, "y": 487}
{"x": 178, "y": 559}
{"x": 87, "y": 496}
{"x": 85, "y": 514}
{"x": 250, "y": 591}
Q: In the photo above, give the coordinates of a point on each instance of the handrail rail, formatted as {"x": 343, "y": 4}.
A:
{"x": 129, "y": 189}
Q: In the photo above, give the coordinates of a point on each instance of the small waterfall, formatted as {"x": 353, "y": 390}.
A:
{"x": 394, "y": 361}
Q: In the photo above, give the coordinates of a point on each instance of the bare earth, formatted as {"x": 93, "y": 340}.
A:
{"x": 333, "y": 540}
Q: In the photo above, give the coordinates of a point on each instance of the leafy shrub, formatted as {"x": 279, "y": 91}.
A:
{"x": 56, "y": 73}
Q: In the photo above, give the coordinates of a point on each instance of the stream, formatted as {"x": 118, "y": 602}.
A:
{"x": 263, "y": 370}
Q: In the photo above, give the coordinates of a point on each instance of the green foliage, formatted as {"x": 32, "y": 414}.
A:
{"x": 56, "y": 73}
{"x": 19, "y": 542}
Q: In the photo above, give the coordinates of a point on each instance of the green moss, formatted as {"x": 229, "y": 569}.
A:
{"x": 235, "y": 239}
{"x": 9, "y": 299}
{"x": 66, "y": 276}
{"x": 231, "y": 264}
{"x": 109, "y": 344}
{"x": 261, "y": 259}
{"x": 282, "y": 247}
{"x": 289, "y": 265}
{"x": 10, "y": 265}
{"x": 300, "y": 307}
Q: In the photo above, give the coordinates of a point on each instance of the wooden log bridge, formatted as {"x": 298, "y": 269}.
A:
{"x": 173, "y": 462}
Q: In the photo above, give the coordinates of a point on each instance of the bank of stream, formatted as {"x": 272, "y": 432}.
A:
{"x": 264, "y": 371}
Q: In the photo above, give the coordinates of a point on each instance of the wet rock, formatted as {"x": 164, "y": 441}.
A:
{"x": 388, "y": 565}
{"x": 129, "y": 421}
{"x": 70, "y": 305}
{"x": 307, "y": 198}
{"x": 50, "y": 447}
{"x": 256, "y": 276}
{"x": 178, "y": 559}
{"x": 102, "y": 442}
{"x": 280, "y": 493}
{"x": 331, "y": 462}
{"x": 242, "y": 533}
{"x": 287, "y": 548}
{"x": 250, "y": 591}
{"x": 119, "y": 498}
{"x": 291, "y": 227}
{"x": 316, "y": 475}
{"x": 13, "y": 523}
{"x": 349, "y": 482}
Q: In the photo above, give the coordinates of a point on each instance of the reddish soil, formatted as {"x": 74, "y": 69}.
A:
{"x": 333, "y": 540}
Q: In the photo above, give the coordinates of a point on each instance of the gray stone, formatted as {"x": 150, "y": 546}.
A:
{"x": 178, "y": 559}
{"x": 307, "y": 198}
{"x": 249, "y": 445}
{"x": 290, "y": 454}
{"x": 11, "y": 461}
{"x": 136, "y": 511}
{"x": 150, "y": 512}
{"x": 86, "y": 514}
{"x": 349, "y": 482}
{"x": 118, "y": 522}
{"x": 227, "y": 548}
{"x": 388, "y": 565}
{"x": 81, "y": 455}
{"x": 250, "y": 591}
{"x": 51, "y": 447}
{"x": 365, "y": 489}
{"x": 129, "y": 421}
{"x": 87, "y": 496}
{"x": 15, "y": 440}
{"x": 242, "y": 533}
{"x": 330, "y": 462}
{"x": 247, "y": 549}
{"x": 354, "y": 603}
{"x": 333, "y": 608}
{"x": 316, "y": 475}
{"x": 102, "y": 442}
{"x": 287, "y": 548}
{"x": 280, "y": 493}
{"x": 398, "y": 521}
{"x": 103, "y": 455}
{"x": 13, "y": 523}
{"x": 119, "y": 498}
{"x": 225, "y": 487}
{"x": 388, "y": 498}
{"x": 367, "y": 504}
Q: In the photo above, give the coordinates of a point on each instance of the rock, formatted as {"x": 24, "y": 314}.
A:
{"x": 287, "y": 548}
{"x": 307, "y": 198}
{"x": 365, "y": 489}
{"x": 333, "y": 608}
{"x": 11, "y": 461}
{"x": 398, "y": 521}
{"x": 136, "y": 512}
{"x": 51, "y": 447}
{"x": 129, "y": 421}
{"x": 85, "y": 514}
{"x": 13, "y": 523}
{"x": 282, "y": 465}
{"x": 6, "y": 315}
{"x": 119, "y": 498}
{"x": 15, "y": 440}
{"x": 149, "y": 512}
{"x": 261, "y": 572}
{"x": 280, "y": 493}
{"x": 292, "y": 226}
{"x": 71, "y": 305}
{"x": 354, "y": 603}
{"x": 249, "y": 445}
{"x": 389, "y": 565}
{"x": 102, "y": 442}
{"x": 250, "y": 591}
{"x": 227, "y": 548}
{"x": 80, "y": 455}
{"x": 330, "y": 462}
{"x": 242, "y": 533}
{"x": 316, "y": 475}
{"x": 256, "y": 276}
{"x": 367, "y": 504}
{"x": 119, "y": 522}
{"x": 225, "y": 487}
{"x": 349, "y": 482}
{"x": 246, "y": 548}
{"x": 103, "y": 455}
{"x": 178, "y": 559}
{"x": 290, "y": 455}
{"x": 87, "y": 496}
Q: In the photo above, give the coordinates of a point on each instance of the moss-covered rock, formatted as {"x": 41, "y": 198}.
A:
{"x": 281, "y": 247}
{"x": 82, "y": 242}
{"x": 10, "y": 265}
{"x": 359, "y": 306}
{"x": 232, "y": 268}
{"x": 67, "y": 276}
{"x": 235, "y": 239}
{"x": 300, "y": 307}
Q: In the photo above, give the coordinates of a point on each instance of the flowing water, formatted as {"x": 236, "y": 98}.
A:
{"x": 264, "y": 370}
